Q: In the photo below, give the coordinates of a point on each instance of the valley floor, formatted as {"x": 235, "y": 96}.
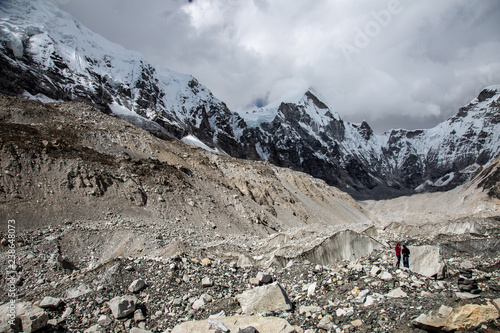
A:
{"x": 365, "y": 295}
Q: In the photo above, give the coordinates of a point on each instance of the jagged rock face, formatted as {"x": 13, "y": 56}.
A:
{"x": 46, "y": 53}
{"x": 491, "y": 179}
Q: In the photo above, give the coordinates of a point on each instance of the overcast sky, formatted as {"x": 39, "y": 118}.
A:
{"x": 394, "y": 63}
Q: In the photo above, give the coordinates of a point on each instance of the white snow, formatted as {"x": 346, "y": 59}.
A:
{"x": 40, "y": 97}
{"x": 120, "y": 110}
{"x": 194, "y": 141}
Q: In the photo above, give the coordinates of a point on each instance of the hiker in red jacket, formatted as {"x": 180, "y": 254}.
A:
{"x": 398, "y": 254}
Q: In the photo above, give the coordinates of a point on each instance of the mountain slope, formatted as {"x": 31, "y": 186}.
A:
{"x": 47, "y": 54}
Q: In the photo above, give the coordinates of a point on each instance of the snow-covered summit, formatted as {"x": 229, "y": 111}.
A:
{"x": 311, "y": 102}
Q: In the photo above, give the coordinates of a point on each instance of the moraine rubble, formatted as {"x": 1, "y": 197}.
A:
{"x": 180, "y": 292}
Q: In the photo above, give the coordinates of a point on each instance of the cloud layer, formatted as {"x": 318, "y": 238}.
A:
{"x": 394, "y": 63}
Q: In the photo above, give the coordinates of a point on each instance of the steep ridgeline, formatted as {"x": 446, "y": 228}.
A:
{"x": 47, "y": 54}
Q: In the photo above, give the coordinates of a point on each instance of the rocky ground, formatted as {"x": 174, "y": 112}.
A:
{"x": 365, "y": 295}
{"x": 100, "y": 205}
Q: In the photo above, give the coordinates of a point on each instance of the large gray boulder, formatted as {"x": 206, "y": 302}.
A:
{"x": 122, "y": 306}
{"x": 270, "y": 297}
{"x": 236, "y": 323}
{"x": 433, "y": 320}
{"x": 426, "y": 260}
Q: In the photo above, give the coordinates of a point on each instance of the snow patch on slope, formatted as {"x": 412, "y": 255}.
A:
{"x": 195, "y": 142}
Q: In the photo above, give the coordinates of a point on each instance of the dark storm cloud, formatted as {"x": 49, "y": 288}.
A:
{"x": 394, "y": 63}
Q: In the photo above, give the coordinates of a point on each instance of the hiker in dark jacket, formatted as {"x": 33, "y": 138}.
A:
{"x": 398, "y": 254}
{"x": 406, "y": 255}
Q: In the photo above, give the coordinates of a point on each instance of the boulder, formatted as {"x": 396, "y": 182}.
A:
{"x": 361, "y": 296}
{"x": 270, "y": 297}
{"x": 356, "y": 323}
{"x": 236, "y": 323}
{"x": 375, "y": 271}
{"x": 426, "y": 260}
{"x": 470, "y": 316}
{"x": 104, "y": 320}
{"x": 264, "y": 278}
{"x": 370, "y": 300}
{"x": 207, "y": 282}
{"x": 122, "y": 306}
{"x": 344, "y": 312}
{"x": 206, "y": 262}
{"x": 396, "y": 293}
{"x": 31, "y": 318}
{"x": 136, "y": 285}
{"x": 326, "y": 323}
{"x": 433, "y": 320}
{"x": 198, "y": 304}
{"x": 386, "y": 276}
{"x": 139, "y": 316}
{"x": 464, "y": 318}
{"x": 311, "y": 289}
{"x": 49, "y": 302}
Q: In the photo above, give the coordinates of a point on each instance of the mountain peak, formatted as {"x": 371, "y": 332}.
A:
{"x": 313, "y": 96}
{"x": 488, "y": 92}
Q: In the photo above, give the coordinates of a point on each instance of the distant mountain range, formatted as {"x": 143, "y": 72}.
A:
{"x": 47, "y": 54}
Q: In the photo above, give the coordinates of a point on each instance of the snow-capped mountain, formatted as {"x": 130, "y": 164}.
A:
{"x": 47, "y": 54}
{"x": 355, "y": 159}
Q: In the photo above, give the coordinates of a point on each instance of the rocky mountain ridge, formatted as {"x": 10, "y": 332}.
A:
{"x": 46, "y": 54}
